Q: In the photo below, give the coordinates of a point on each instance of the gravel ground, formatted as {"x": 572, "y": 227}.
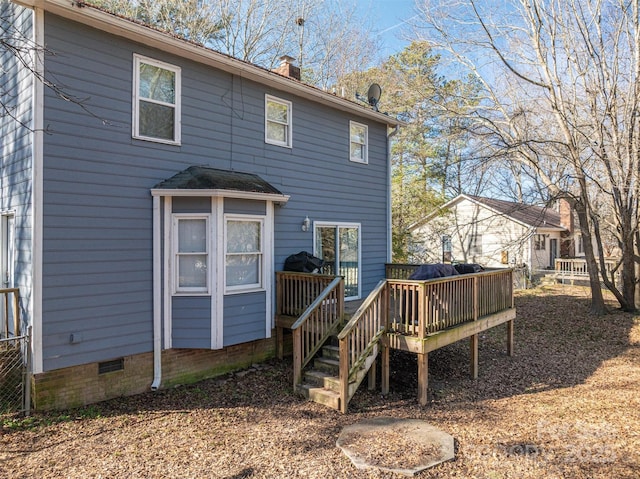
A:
{"x": 565, "y": 406}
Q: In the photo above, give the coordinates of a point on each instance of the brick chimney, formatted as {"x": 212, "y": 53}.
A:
{"x": 287, "y": 68}
{"x": 566, "y": 214}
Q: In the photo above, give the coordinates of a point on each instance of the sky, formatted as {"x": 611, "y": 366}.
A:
{"x": 389, "y": 20}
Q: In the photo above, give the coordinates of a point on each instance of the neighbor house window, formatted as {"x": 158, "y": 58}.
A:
{"x": 191, "y": 253}
{"x": 277, "y": 121}
{"x": 580, "y": 245}
{"x": 243, "y": 253}
{"x": 475, "y": 244}
{"x": 358, "y": 135}
{"x": 540, "y": 242}
{"x": 156, "y": 101}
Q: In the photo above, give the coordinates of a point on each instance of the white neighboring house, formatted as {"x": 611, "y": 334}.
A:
{"x": 494, "y": 233}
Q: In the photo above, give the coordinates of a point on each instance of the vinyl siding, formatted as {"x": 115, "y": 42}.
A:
{"x": 16, "y": 94}
{"x": 98, "y": 209}
{"x": 191, "y": 318}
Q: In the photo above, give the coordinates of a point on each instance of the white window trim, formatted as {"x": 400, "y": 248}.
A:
{"x": 245, "y": 288}
{"x": 189, "y": 291}
{"x": 340, "y": 224}
{"x": 289, "y": 124}
{"x": 137, "y": 60}
{"x": 356, "y": 159}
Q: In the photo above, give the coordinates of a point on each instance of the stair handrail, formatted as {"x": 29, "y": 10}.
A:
{"x": 325, "y": 323}
{"x": 360, "y": 335}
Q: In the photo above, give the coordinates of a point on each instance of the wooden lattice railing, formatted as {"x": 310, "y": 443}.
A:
{"x": 296, "y": 291}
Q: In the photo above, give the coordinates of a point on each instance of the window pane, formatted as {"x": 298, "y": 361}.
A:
{"x": 243, "y": 269}
{"x": 243, "y": 237}
{"x": 357, "y": 151}
{"x": 192, "y": 236}
{"x": 277, "y": 132}
{"x": 156, "y": 121}
{"x": 192, "y": 271}
{"x": 157, "y": 83}
{"x": 277, "y": 112}
{"x": 358, "y": 134}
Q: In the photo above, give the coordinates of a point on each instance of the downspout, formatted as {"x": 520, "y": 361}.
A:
{"x": 389, "y": 222}
{"x": 157, "y": 297}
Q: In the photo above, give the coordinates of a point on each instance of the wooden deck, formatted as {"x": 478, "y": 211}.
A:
{"x": 414, "y": 316}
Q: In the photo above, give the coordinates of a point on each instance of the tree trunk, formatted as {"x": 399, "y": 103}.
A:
{"x": 597, "y": 300}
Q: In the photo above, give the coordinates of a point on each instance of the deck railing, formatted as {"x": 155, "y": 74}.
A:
{"x": 578, "y": 266}
{"x": 419, "y": 308}
{"x": 319, "y": 320}
{"x": 296, "y": 291}
{"x": 359, "y": 338}
{"x": 10, "y": 315}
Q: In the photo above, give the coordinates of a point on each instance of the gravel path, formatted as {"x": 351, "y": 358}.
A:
{"x": 567, "y": 405}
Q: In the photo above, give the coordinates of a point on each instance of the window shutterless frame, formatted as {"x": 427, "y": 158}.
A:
{"x": 358, "y": 142}
{"x": 156, "y": 110}
{"x": 277, "y": 121}
{"x": 244, "y": 253}
{"x": 191, "y": 254}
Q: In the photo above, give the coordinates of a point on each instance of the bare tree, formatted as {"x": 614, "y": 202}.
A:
{"x": 560, "y": 79}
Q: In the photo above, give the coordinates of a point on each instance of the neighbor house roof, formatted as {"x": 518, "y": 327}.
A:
{"x": 528, "y": 215}
{"x": 100, "y": 19}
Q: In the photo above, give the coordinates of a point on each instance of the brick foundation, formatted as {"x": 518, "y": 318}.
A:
{"x": 81, "y": 385}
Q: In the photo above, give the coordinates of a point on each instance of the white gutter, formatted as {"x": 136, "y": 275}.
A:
{"x": 157, "y": 297}
{"x": 245, "y": 195}
{"x": 389, "y": 209}
{"x": 101, "y": 20}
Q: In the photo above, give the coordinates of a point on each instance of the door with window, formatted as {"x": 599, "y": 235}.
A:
{"x": 553, "y": 252}
{"x": 338, "y": 244}
{"x": 7, "y": 245}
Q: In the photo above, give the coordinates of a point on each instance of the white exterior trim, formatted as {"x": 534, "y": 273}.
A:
{"x": 189, "y": 291}
{"x": 244, "y": 195}
{"x": 157, "y": 295}
{"x": 167, "y": 268}
{"x": 135, "y": 106}
{"x": 269, "y": 266}
{"x": 217, "y": 293}
{"x": 343, "y": 224}
{"x": 288, "y": 143}
{"x": 365, "y": 160}
{"x": 168, "y": 43}
{"x": 37, "y": 197}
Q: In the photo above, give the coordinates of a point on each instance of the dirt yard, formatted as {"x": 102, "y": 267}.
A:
{"x": 567, "y": 405}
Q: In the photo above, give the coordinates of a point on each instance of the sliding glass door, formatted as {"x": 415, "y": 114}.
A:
{"x": 338, "y": 244}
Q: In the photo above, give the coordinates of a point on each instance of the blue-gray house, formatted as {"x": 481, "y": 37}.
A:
{"x": 151, "y": 188}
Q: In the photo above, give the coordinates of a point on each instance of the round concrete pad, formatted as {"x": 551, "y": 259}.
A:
{"x": 402, "y": 446}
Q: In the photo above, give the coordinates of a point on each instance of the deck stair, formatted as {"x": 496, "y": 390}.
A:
{"x": 321, "y": 381}
{"x": 333, "y": 353}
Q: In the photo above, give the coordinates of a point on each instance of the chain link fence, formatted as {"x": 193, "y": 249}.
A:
{"x": 15, "y": 380}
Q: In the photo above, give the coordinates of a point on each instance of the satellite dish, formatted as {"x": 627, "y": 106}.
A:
{"x": 373, "y": 95}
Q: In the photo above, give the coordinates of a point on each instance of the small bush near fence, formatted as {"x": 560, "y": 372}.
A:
{"x": 12, "y": 373}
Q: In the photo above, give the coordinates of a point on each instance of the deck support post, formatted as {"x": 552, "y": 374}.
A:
{"x": 474, "y": 356}
{"x": 371, "y": 376}
{"x": 510, "y": 325}
{"x": 423, "y": 378}
{"x": 384, "y": 366}
{"x": 280, "y": 342}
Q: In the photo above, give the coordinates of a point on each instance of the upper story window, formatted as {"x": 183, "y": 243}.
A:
{"x": 359, "y": 140}
{"x": 475, "y": 244}
{"x": 156, "y": 101}
{"x": 277, "y": 121}
{"x": 540, "y": 242}
{"x": 244, "y": 255}
{"x": 191, "y": 253}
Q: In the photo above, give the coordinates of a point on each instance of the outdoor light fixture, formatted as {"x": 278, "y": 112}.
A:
{"x": 306, "y": 223}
